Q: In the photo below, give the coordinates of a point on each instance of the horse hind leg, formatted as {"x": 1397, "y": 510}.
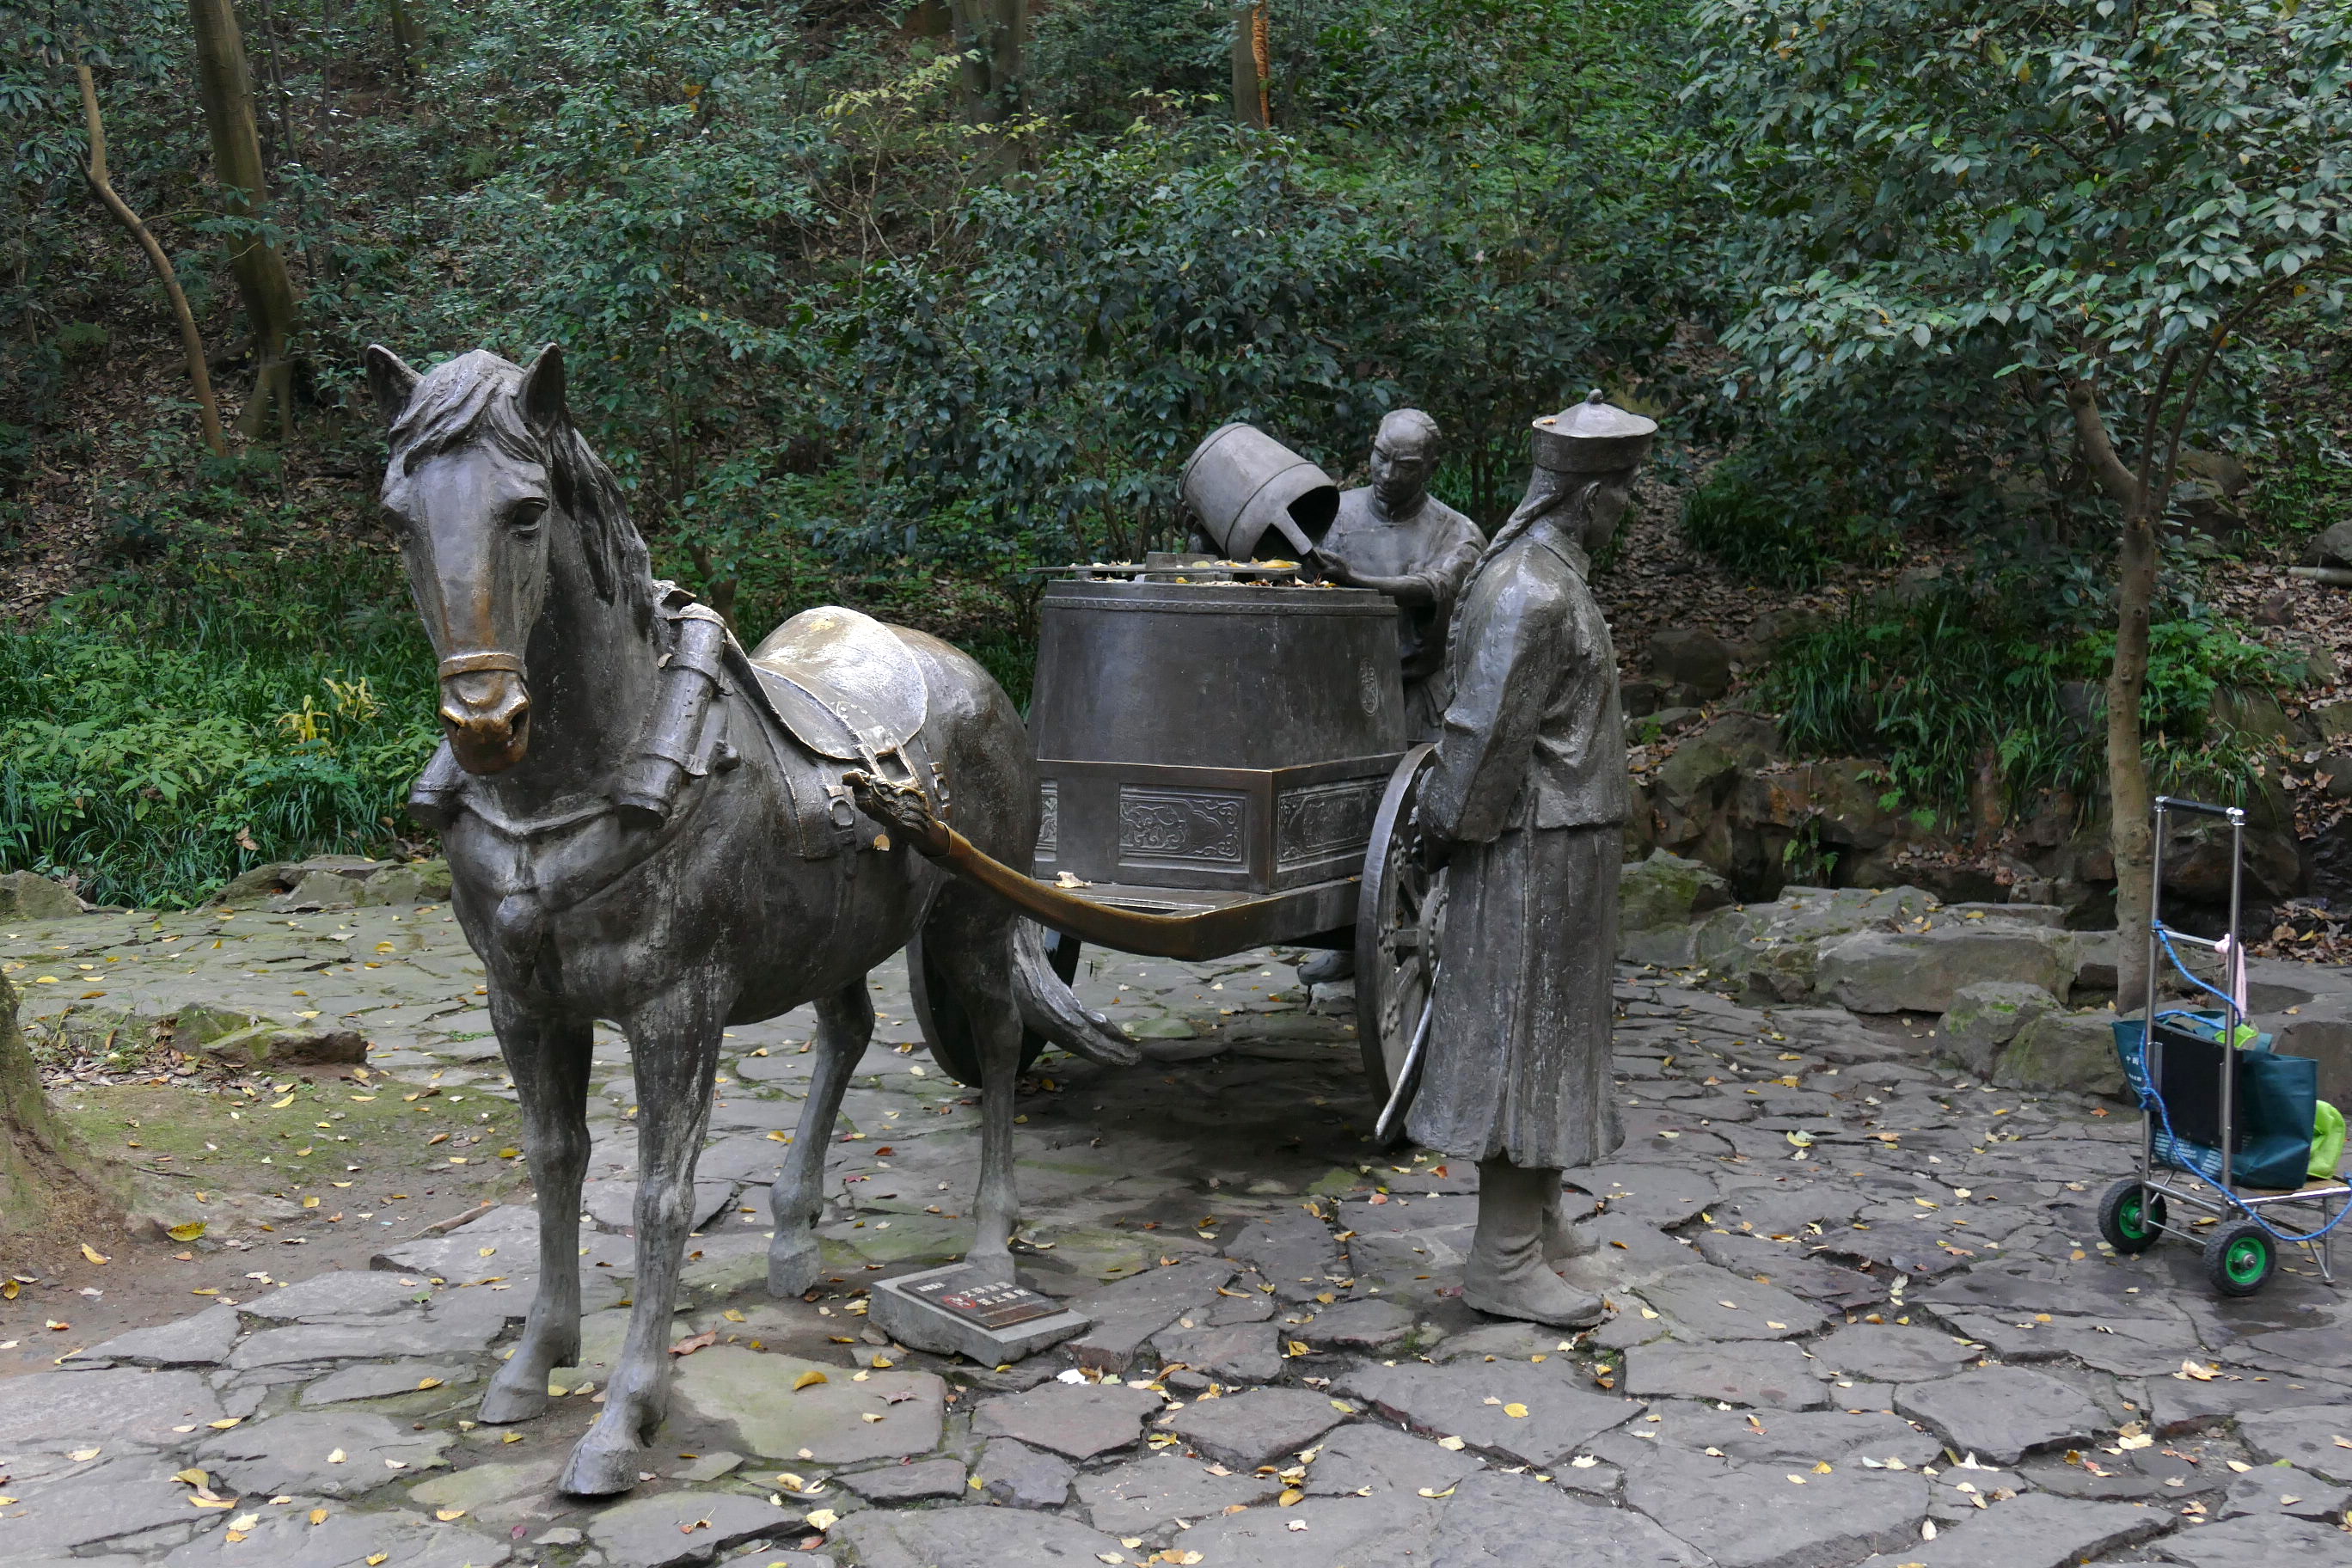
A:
{"x": 970, "y": 942}
{"x": 549, "y": 1060}
{"x": 845, "y": 1023}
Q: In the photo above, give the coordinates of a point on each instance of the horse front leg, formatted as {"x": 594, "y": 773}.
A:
{"x": 674, "y": 1044}
{"x": 845, "y": 1023}
{"x": 548, "y": 1056}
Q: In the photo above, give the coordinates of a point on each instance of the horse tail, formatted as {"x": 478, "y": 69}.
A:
{"x": 1050, "y": 1008}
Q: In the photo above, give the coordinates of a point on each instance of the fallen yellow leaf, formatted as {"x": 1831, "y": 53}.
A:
{"x": 375, "y": 1559}
{"x": 318, "y": 1516}
{"x": 225, "y": 1423}
{"x": 336, "y": 1456}
{"x": 1515, "y": 1411}
{"x": 93, "y": 1254}
{"x": 188, "y": 1232}
{"x": 809, "y": 1379}
{"x": 309, "y": 1202}
{"x": 281, "y": 1104}
{"x": 445, "y": 1514}
{"x": 81, "y": 1456}
{"x": 821, "y": 1518}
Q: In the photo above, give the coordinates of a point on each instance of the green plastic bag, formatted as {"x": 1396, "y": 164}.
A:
{"x": 2326, "y": 1141}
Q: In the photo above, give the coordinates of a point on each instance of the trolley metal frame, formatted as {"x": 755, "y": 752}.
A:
{"x": 2191, "y": 1190}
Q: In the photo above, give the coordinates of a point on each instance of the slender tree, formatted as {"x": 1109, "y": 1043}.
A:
{"x": 992, "y": 34}
{"x": 225, "y": 86}
{"x": 199, "y": 377}
{"x": 2103, "y": 200}
{"x": 1252, "y": 58}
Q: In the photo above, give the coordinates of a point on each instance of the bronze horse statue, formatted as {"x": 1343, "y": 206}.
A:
{"x": 646, "y": 825}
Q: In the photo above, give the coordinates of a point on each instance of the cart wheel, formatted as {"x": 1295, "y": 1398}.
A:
{"x": 2131, "y": 1217}
{"x": 948, "y": 1033}
{"x": 2238, "y": 1258}
{"x": 1395, "y": 941}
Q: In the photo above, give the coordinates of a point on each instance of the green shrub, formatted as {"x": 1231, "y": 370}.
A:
{"x": 1780, "y": 522}
{"x": 1938, "y": 688}
{"x": 222, "y": 709}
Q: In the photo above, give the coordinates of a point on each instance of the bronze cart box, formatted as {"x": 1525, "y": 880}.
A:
{"x": 1225, "y": 737}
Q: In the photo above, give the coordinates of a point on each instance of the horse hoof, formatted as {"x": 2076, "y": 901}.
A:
{"x": 502, "y": 1406}
{"x": 791, "y": 1272}
{"x": 599, "y": 1470}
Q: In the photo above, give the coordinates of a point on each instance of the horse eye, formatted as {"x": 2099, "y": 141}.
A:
{"x": 524, "y": 520}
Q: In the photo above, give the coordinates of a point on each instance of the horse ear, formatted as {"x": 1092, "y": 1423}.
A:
{"x": 391, "y": 379}
{"x": 543, "y": 389}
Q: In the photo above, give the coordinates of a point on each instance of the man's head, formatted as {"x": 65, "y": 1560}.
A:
{"x": 1403, "y": 453}
{"x": 1586, "y": 457}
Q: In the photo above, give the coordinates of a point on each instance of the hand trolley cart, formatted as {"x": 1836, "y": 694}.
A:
{"x": 2220, "y": 1113}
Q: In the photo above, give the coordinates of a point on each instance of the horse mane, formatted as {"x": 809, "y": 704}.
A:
{"x": 476, "y": 396}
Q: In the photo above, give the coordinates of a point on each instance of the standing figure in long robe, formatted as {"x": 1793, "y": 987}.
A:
{"x": 1526, "y": 809}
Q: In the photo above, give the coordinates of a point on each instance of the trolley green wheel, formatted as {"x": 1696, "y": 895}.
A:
{"x": 2238, "y": 1258}
{"x": 2131, "y": 1217}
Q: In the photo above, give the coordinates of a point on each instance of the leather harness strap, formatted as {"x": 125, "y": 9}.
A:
{"x": 474, "y": 663}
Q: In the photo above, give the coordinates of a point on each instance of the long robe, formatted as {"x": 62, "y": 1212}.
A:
{"x": 1436, "y": 546}
{"x": 1531, "y": 782}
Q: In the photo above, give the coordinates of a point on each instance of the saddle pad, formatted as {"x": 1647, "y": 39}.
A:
{"x": 842, "y": 682}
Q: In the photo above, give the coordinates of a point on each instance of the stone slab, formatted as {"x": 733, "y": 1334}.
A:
{"x": 612, "y": 1204}
{"x": 1128, "y": 1313}
{"x": 295, "y": 1453}
{"x": 1502, "y": 1521}
{"x": 675, "y": 1529}
{"x": 2283, "y": 1489}
{"x": 925, "y": 1326}
{"x": 1370, "y": 1324}
{"x": 1363, "y": 1454}
{"x": 1018, "y": 1475}
{"x": 1075, "y": 1420}
{"x": 383, "y": 1380}
{"x": 1239, "y": 1352}
{"x": 975, "y": 1538}
{"x": 142, "y": 1406}
{"x": 2313, "y": 1436}
{"x": 2001, "y": 1414}
{"x": 2254, "y": 1542}
{"x": 1148, "y": 1494}
{"x": 2034, "y": 1531}
{"x": 90, "y": 1503}
{"x": 348, "y": 1293}
{"x": 284, "y": 1537}
{"x": 1256, "y": 1428}
{"x": 1451, "y": 1401}
{"x": 203, "y": 1339}
{"x": 306, "y": 1343}
{"x": 1756, "y": 1516}
{"x": 915, "y": 1482}
{"x": 753, "y": 1392}
{"x": 1768, "y": 1376}
{"x": 1888, "y": 1352}
{"x": 1705, "y": 1302}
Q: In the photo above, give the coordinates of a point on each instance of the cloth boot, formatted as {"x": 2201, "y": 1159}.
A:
{"x": 1507, "y": 1276}
{"x": 1561, "y": 1240}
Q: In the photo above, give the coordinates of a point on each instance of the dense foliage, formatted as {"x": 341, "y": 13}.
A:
{"x": 839, "y": 343}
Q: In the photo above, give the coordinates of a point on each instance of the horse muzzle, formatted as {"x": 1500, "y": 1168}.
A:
{"x": 486, "y": 711}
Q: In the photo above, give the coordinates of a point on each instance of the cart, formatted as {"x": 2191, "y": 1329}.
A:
{"x": 1222, "y": 764}
{"x": 2201, "y": 1113}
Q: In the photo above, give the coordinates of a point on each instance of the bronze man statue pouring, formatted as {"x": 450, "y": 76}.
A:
{"x": 1525, "y": 807}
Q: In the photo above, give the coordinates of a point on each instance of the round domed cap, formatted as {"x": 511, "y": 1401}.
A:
{"x": 1594, "y": 437}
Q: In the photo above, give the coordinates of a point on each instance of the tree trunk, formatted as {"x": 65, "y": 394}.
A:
{"x": 1252, "y": 46}
{"x": 405, "y": 37}
{"x": 191, "y": 342}
{"x": 2130, "y": 796}
{"x": 991, "y": 34}
{"x": 45, "y": 1175}
{"x": 226, "y": 88}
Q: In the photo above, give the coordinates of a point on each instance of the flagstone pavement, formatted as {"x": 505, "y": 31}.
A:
{"x": 1862, "y": 1315}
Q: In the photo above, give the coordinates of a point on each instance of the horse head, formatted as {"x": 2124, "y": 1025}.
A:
{"x": 485, "y": 471}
